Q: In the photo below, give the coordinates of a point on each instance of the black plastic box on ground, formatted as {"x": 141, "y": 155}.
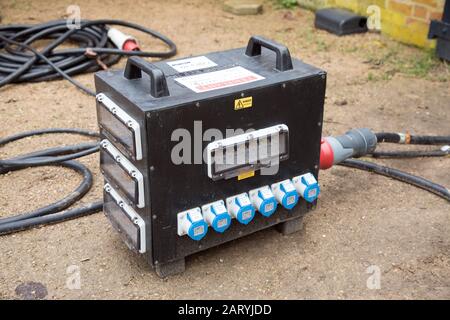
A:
{"x": 161, "y": 152}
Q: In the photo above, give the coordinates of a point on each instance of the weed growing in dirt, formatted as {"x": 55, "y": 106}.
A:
{"x": 422, "y": 65}
{"x": 287, "y": 4}
{"x": 396, "y": 58}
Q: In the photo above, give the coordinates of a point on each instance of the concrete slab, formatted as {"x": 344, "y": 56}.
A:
{"x": 243, "y": 7}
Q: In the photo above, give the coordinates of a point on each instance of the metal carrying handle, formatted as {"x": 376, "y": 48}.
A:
{"x": 158, "y": 84}
{"x": 283, "y": 61}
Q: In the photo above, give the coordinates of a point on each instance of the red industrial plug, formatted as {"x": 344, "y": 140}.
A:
{"x": 353, "y": 144}
{"x": 131, "y": 45}
{"x": 326, "y": 154}
{"x": 122, "y": 40}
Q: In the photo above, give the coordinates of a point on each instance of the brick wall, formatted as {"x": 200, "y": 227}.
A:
{"x": 404, "y": 20}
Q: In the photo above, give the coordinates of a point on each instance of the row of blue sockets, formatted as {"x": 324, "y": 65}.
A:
{"x": 242, "y": 207}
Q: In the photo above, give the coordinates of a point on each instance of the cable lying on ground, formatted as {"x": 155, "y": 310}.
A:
{"x": 21, "y": 225}
{"x": 411, "y": 154}
{"x": 52, "y": 156}
{"x": 96, "y": 50}
{"x": 419, "y": 182}
{"x": 407, "y": 138}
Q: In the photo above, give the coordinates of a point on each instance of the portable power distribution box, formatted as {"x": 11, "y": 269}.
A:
{"x": 199, "y": 151}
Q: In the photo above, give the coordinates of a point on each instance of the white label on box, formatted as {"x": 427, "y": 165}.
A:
{"x": 190, "y": 64}
{"x": 219, "y": 79}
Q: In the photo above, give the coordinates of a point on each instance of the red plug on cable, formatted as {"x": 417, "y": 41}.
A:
{"x": 326, "y": 154}
{"x": 122, "y": 40}
{"x": 355, "y": 143}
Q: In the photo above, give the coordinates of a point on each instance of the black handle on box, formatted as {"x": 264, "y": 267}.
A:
{"x": 158, "y": 84}
{"x": 284, "y": 61}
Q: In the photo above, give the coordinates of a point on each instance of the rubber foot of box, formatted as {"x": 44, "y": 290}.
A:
{"x": 171, "y": 268}
{"x": 290, "y": 226}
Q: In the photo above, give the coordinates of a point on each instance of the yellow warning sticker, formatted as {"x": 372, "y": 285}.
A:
{"x": 243, "y": 103}
{"x": 246, "y": 175}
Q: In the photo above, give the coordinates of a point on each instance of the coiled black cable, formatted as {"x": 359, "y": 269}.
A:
{"x": 48, "y": 156}
{"x": 52, "y": 156}
{"x": 95, "y": 50}
{"x": 64, "y": 203}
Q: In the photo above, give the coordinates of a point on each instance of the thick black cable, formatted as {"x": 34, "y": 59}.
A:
{"x": 53, "y": 218}
{"x": 429, "y": 140}
{"x": 419, "y": 182}
{"x": 391, "y": 137}
{"x": 404, "y": 138}
{"x": 65, "y": 202}
{"x": 55, "y": 151}
{"x": 51, "y": 64}
{"x": 31, "y": 133}
{"x": 40, "y": 161}
{"x": 51, "y": 156}
{"x": 411, "y": 154}
{"x": 48, "y": 63}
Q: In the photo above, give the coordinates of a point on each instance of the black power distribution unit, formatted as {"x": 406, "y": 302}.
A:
{"x": 199, "y": 151}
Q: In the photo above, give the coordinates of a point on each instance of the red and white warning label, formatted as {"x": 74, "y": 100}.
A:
{"x": 219, "y": 79}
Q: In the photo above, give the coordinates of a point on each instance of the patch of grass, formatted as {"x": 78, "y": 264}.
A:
{"x": 321, "y": 45}
{"x": 286, "y": 4}
{"x": 349, "y": 49}
{"x": 381, "y": 76}
{"x": 420, "y": 66}
{"x": 395, "y": 59}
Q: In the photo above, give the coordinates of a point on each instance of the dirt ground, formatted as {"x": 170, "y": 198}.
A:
{"x": 362, "y": 220}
